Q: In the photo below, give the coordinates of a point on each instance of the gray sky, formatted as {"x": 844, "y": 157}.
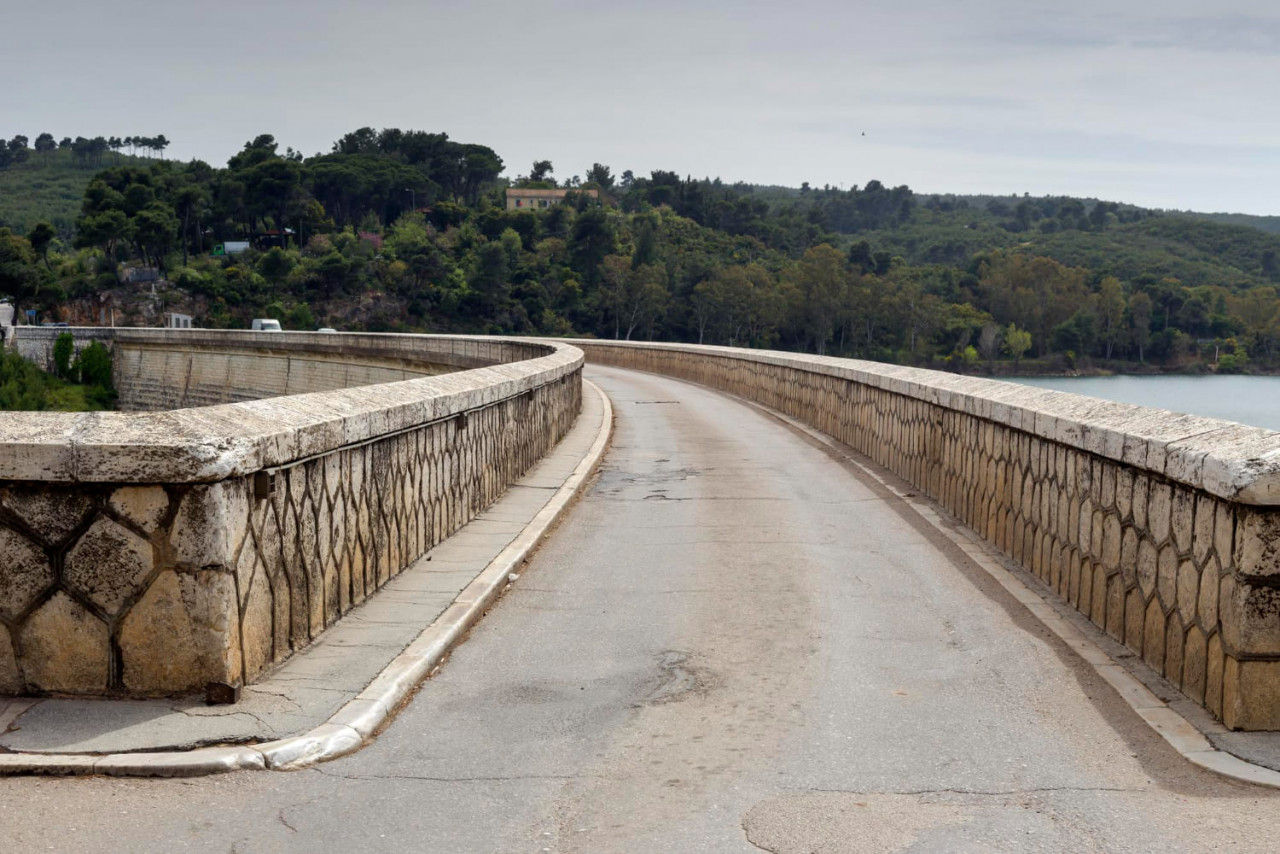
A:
{"x": 1166, "y": 103}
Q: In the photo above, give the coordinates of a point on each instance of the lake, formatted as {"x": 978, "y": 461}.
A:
{"x": 1248, "y": 400}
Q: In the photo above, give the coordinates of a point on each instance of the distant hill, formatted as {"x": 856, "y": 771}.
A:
{"x": 1269, "y": 224}
{"x": 50, "y": 188}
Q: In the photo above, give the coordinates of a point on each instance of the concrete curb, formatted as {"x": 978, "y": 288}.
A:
{"x": 356, "y": 723}
{"x": 1181, "y": 734}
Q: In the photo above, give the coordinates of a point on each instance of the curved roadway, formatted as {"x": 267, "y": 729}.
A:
{"x": 733, "y": 643}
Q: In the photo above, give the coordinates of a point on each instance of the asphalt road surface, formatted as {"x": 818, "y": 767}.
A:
{"x": 733, "y": 643}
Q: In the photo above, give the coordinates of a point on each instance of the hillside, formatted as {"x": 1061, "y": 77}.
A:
{"x": 405, "y": 230}
{"x": 50, "y": 187}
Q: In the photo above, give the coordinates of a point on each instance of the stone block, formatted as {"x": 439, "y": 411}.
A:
{"x": 1141, "y": 485}
{"x": 1207, "y": 606}
{"x": 1158, "y": 512}
{"x": 211, "y": 523}
{"x": 1250, "y": 617}
{"x": 1100, "y": 601}
{"x": 10, "y": 677}
{"x": 1134, "y": 613}
{"x": 1147, "y": 567}
{"x": 1167, "y": 577}
{"x": 1183, "y": 519}
{"x": 1173, "y": 649}
{"x": 1251, "y": 695}
{"x": 182, "y": 634}
{"x": 109, "y": 565}
{"x": 1257, "y": 541}
{"x": 1202, "y": 539}
{"x": 65, "y": 648}
{"x": 1129, "y": 556}
{"x": 1124, "y": 492}
{"x": 144, "y": 506}
{"x": 257, "y": 629}
{"x": 1188, "y": 590}
{"x": 1194, "y": 660}
{"x": 1224, "y": 533}
{"x": 1213, "y": 676}
{"x": 1153, "y": 636}
{"x": 50, "y": 512}
{"x": 27, "y": 573}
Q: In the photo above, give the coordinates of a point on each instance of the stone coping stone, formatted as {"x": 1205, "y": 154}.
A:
{"x": 213, "y": 443}
{"x": 310, "y": 688}
{"x": 1226, "y": 459}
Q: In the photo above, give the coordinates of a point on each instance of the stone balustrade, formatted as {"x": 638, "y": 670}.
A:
{"x": 146, "y": 554}
{"x": 1162, "y": 528}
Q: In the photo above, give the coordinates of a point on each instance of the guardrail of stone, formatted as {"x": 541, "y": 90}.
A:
{"x": 1163, "y": 528}
{"x": 153, "y": 554}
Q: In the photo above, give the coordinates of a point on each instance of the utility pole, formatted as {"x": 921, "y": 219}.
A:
{"x": 413, "y": 198}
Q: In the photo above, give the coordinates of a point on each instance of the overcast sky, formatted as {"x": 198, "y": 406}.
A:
{"x": 1165, "y": 103}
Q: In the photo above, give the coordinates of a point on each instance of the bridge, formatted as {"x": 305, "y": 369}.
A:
{"x": 804, "y": 603}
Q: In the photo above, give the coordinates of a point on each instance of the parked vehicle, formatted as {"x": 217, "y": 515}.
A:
{"x": 266, "y": 324}
{"x": 326, "y": 329}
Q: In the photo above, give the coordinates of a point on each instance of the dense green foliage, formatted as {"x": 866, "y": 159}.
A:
{"x": 48, "y": 186}
{"x": 83, "y": 383}
{"x": 405, "y": 230}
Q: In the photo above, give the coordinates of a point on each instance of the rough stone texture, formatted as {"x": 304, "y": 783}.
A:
{"x": 64, "y": 648}
{"x": 201, "y": 581}
{"x": 27, "y": 573}
{"x": 1174, "y": 516}
{"x": 10, "y": 677}
{"x": 144, "y": 506}
{"x": 183, "y": 632}
{"x": 108, "y": 564}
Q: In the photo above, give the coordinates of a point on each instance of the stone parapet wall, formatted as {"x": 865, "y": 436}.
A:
{"x": 158, "y": 369}
{"x": 150, "y": 554}
{"x": 1161, "y": 528}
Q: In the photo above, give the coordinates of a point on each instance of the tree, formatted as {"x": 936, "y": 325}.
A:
{"x": 42, "y": 234}
{"x": 19, "y": 277}
{"x": 1111, "y": 307}
{"x": 989, "y": 344}
{"x": 1017, "y": 342}
{"x": 541, "y": 171}
{"x": 601, "y": 175}
{"x": 64, "y": 350}
{"x": 822, "y": 280}
{"x": 1140, "y": 321}
{"x": 45, "y": 145}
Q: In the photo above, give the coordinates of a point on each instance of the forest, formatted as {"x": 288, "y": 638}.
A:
{"x": 400, "y": 230}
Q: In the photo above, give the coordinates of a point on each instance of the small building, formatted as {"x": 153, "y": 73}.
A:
{"x": 528, "y": 200}
{"x": 173, "y": 320}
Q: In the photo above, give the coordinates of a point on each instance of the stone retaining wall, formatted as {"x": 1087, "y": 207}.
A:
{"x": 171, "y": 369}
{"x": 1161, "y": 528}
{"x": 150, "y": 554}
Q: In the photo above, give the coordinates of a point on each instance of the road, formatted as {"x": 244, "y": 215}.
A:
{"x": 733, "y": 643}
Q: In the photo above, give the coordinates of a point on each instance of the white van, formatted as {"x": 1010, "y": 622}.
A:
{"x": 266, "y": 324}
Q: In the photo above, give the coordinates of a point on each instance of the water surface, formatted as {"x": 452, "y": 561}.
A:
{"x": 1248, "y": 400}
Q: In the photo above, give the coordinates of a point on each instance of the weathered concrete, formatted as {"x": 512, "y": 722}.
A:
{"x": 1161, "y": 527}
{"x": 240, "y": 532}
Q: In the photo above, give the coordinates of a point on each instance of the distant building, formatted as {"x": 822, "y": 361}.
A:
{"x": 177, "y": 321}
{"x": 528, "y": 200}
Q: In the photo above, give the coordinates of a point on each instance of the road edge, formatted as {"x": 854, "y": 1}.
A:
{"x": 359, "y": 721}
{"x": 1180, "y": 733}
